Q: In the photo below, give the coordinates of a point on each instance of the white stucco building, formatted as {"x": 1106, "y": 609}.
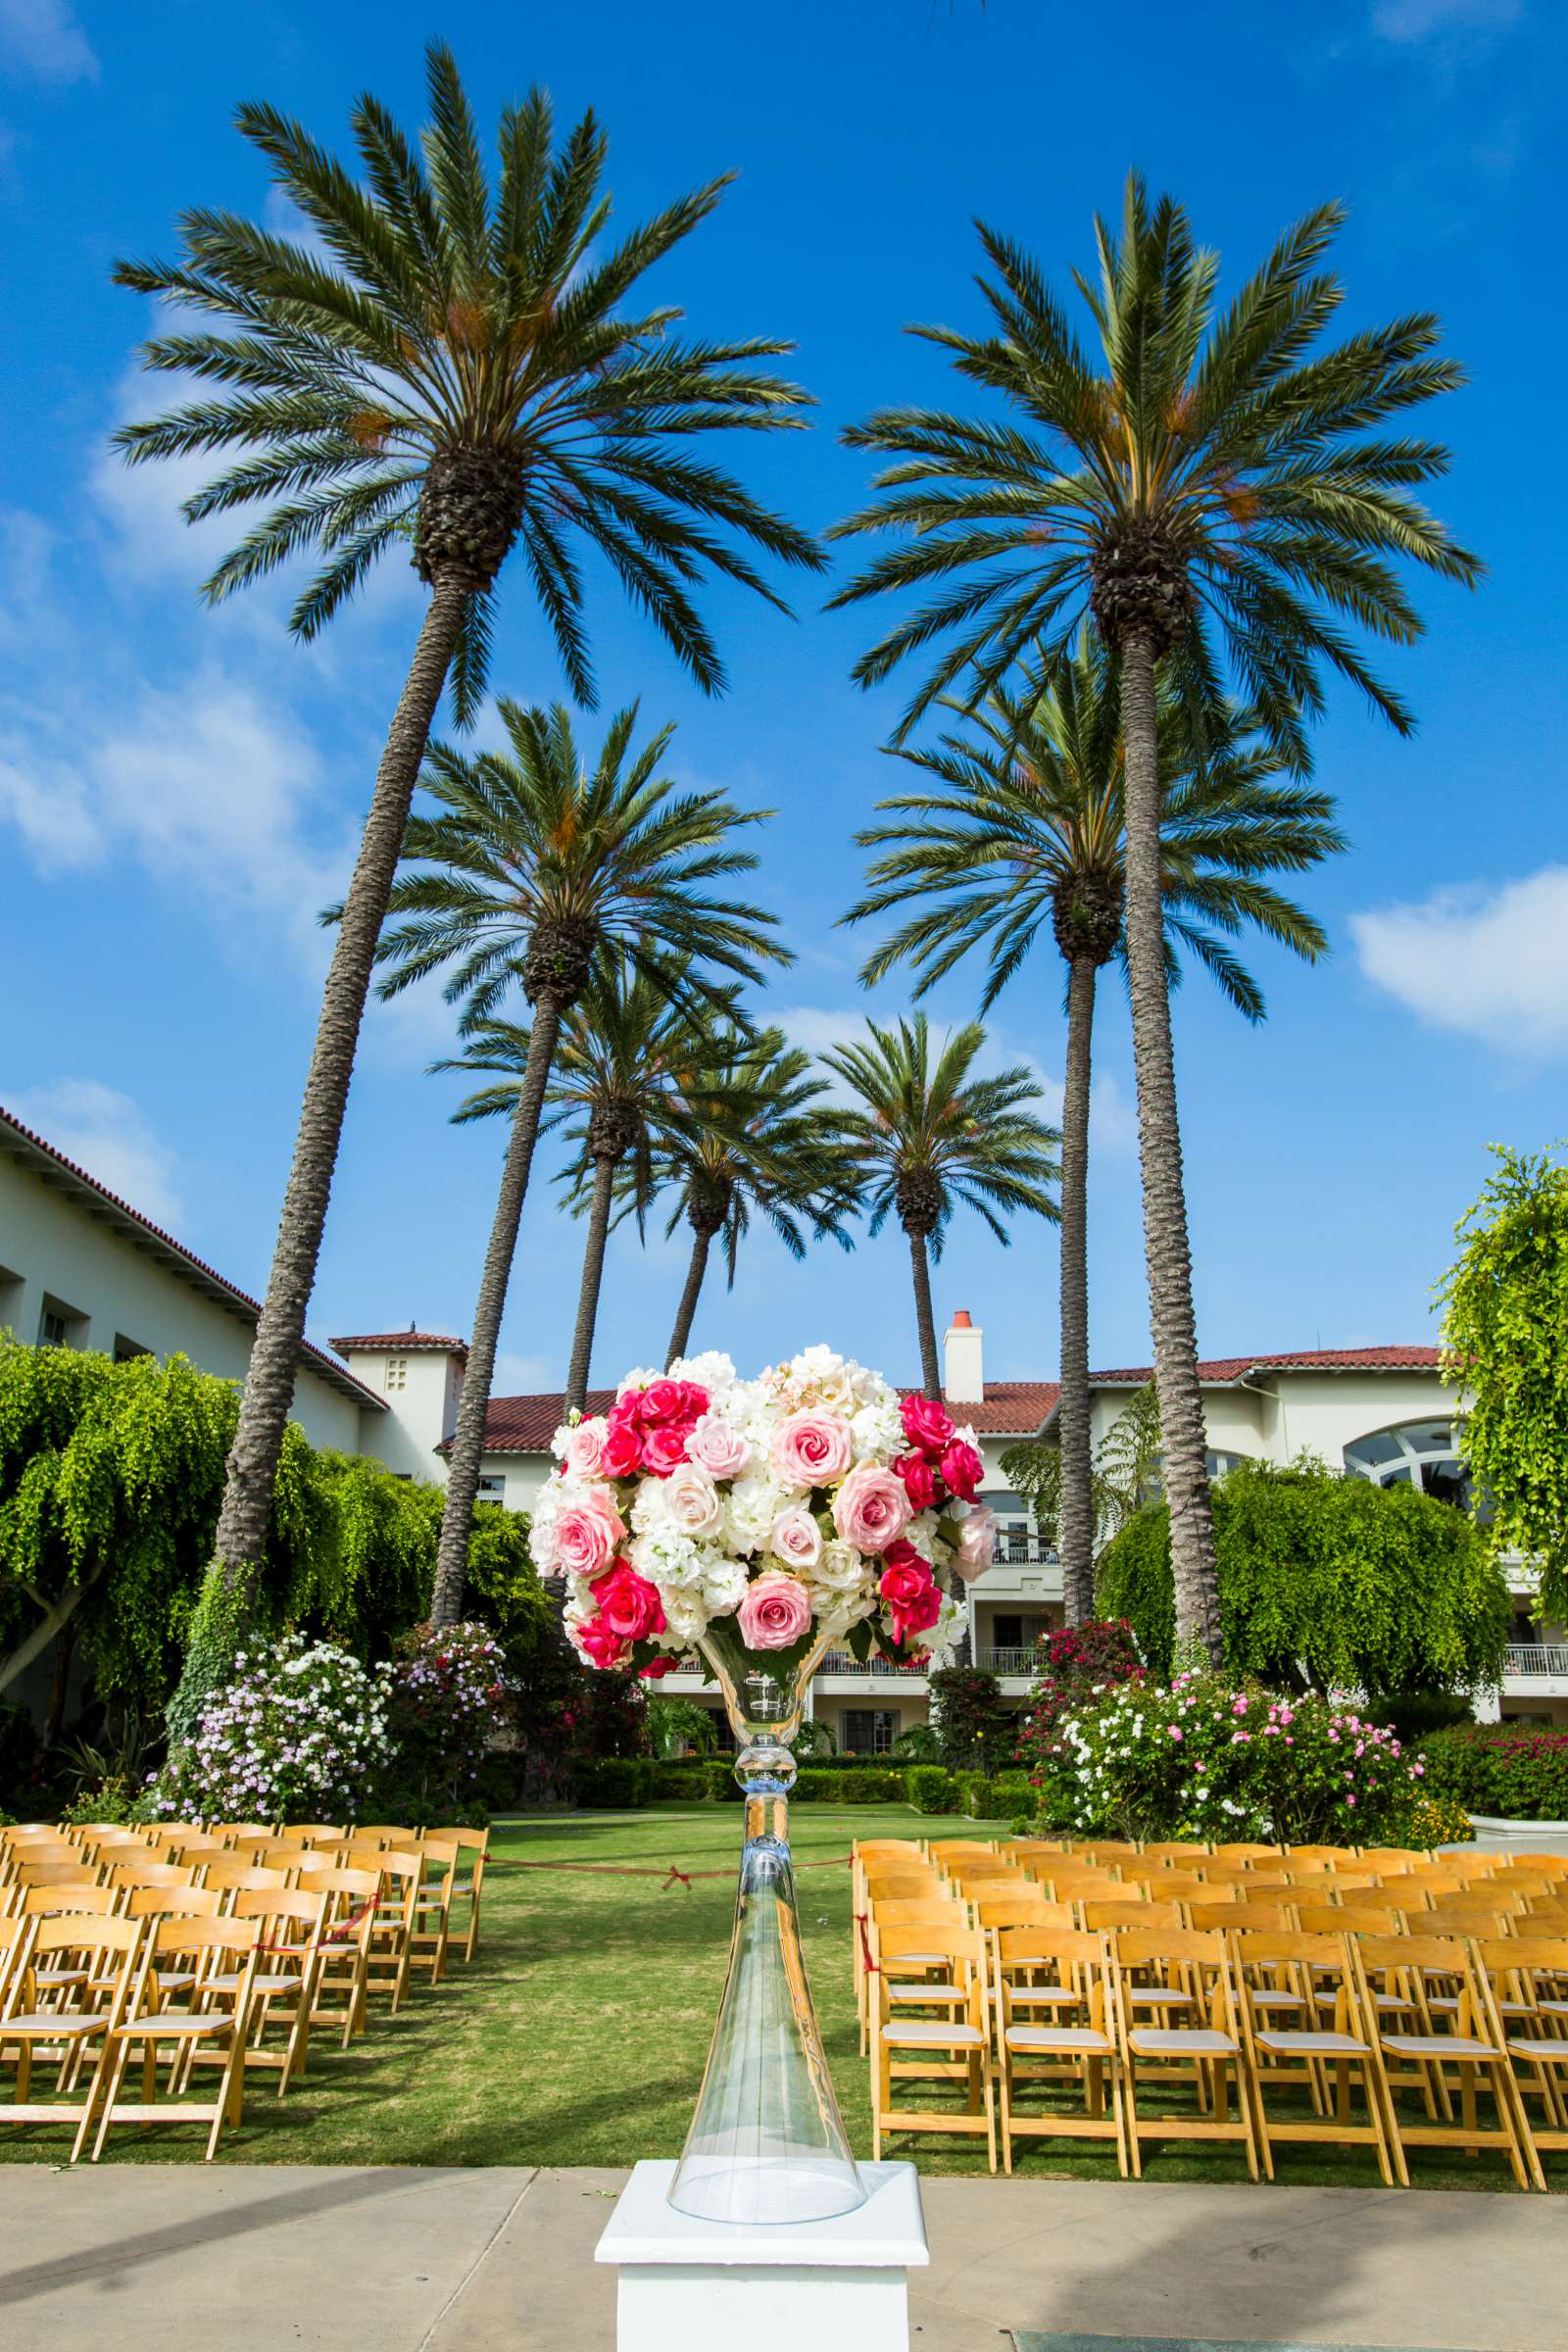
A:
{"x": 81, "y": 1268}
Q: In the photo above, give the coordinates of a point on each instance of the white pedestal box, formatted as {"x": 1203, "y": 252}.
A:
{"x": 838, "y": 2285}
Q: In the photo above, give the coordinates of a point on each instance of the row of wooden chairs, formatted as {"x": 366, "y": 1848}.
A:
{"x": 1250, "y": 2037}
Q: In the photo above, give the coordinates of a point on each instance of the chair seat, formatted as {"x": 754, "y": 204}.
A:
{"x": 1181, "y": 2041}
{"x": 926, "y": 1992}
{"x": 232, "y": 1979}
{"x": 157, "y": 2025}
{"x": 1158, "y": 1997}
{"x": 923, "y": 1959}
{"x": 1278, "y": 2000}
{"x": 1383, "y": 2000}
{"x": 1448, "y": 2004}
{"x": 1314, "y": 2045}
{"x": 1043, "y": 1995}
{"x": 36, "y": 2023}
{"x": 1554, "y": 2008}
{"x": 933, "y": 2030}
{"x": 1545, "y": 2046}
{"x": 1437, "y": 2045}
{"x": 61, "y": 1975}
{"x": 1063, "y": 2037}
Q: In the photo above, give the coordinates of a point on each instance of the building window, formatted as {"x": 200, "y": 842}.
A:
{"x": 1417, "y": 1453}
{"x": 59, "y": 1325}
{"x": 397, "y": 1371}
{"x": 1009, "y": 1632}
{"x": 1217, "y": 1464}
{"x": 867, "y": 1731}
{"x": 492, "y": 1488}
{"x": 51, "y": 1329}
{"x": 125, "y": 1351}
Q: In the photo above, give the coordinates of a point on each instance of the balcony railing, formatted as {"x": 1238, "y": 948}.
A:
{"x": 1023, "y": 1552}
{"x": 1008, "y": 1661}
{"x": 1537, "y": 1657}
{"x": 840, "y": 1661}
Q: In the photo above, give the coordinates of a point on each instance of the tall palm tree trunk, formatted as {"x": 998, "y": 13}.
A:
{"x": 275, "y": 1353}
{"x": 468, "y": 1441}
{"x": 1075, "y": 1533}
{"x": 593, "y": 1275}
{"x": 930, "y": 1368}
{"x": 1159, "y": 1147}
{"x": 685, "y": 1313}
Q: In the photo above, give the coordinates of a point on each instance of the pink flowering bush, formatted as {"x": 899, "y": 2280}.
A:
{"x": 302, "y": 1732}
{"x": 450, "y": 1693}
{"x": 1201, "y": 1758}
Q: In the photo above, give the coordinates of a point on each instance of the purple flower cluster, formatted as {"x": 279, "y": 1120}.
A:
{"x": 294, "y": 1737}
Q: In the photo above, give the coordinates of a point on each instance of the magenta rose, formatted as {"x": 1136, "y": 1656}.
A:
{"x": 795, "y": 1539}
{"x": 917, "y": 1615}
{"x": 586, "y": 1536}
{"x": 919, "y": 1480}
{"x": 962, "y": 1470}
{"x": 621, "y": 1453}
{"x": 927, "y": 1422}
{"x": 628, "y": 1603}
{"x": 872, "y": 1510}
{"x": 663, "y": 1448}
{"x": 775, "y": 1610}
{"x": 905, "y": 1574}
{"x": 977, "y": 1544}
{"x": 693, "y": 1399}
{"x": 661, "y": 1401}
{"x": 812, "y": 1450}
{"x": 720, "y": 1451}
{"x": 584, "y": 1453}
{"x": 602, "y": 1647}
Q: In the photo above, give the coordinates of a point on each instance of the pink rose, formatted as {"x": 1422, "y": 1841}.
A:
{"x": 721, "y": 1450}
{"x": 962, "y": 1470}
{"x": 628, "y": 1603}
{"x": 584, "y": 1453}
{"x": 692, "y": 1500}
{"x": 811, "y": 1450}
{"x": 661, "y": 1401}
{"x": 797, "y": 1539}
{"x": 977, "y": 1543}
{"x": 919, "y": 1480}
{"x": 927, "y": 1422}
{"x": 664, "y": 1448}
{"x": 872, "y": 1510}
{"x": 775, "y": 1610}
{"x": 586, "y": 1535}
{"x": 621, "y": 1453}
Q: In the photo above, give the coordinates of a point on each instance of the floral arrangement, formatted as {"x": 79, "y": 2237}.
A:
{"x": 298, "y": 1735}
{"x": 762, "y": 1515}
{"x": 1201, "y": 1758}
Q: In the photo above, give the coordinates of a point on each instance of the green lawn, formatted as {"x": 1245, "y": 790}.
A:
{"x": 578, "y": 2036}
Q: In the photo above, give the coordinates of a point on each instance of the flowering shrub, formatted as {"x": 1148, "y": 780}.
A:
{"x": 975, "y": 1730}
{"x": 1439, "y": 1821}
{"x": 449, "y": 1692}
{"x": 1201, "y": 1758}
{"x": 1074, "y": 1663}
{"x": 756, "y": 1517}
{"x": 1504, "y": 1769}
{"x": 300, "y": 1734}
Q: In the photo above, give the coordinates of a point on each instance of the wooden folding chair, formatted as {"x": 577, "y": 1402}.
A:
{"x": 227, "y": 1876}
{"x": 1397, "y": 1969}
{"x": 953, "y": 2050}
{"x": 388, "y": 1956}
{"x": 1527, "y": 1978}
{"x": 1073, "y": 2045}
{"x": 66, "y": 2036}
{"x": 1096, "y": 1913}
{"x": 1180, "y": 1853}
{"x": 75, "y": 1872}
{"x": 340, "y": 1984}
{"x": 1285, "y": 1975}
{"x": 1156, "y": 1970}
{"x": 1258, "y": 1912}
{"x": 213, "y": 2017}
{"x": 1322, "y": 1853}
{"x": 1020, "y": 1907}
{"x": 898, "y": 1911}
{"x": 1248, "y": 1851}
{"x": 154, "y": 1874}
{"x": 288, "y": 1963}
{"x": 313, "y": 1832}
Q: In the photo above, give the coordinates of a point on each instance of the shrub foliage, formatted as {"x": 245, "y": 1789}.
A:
{"x": 1506, "y": 1769}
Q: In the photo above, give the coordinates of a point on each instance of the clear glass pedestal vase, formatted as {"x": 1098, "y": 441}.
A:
{"x": 767, "y": 2142}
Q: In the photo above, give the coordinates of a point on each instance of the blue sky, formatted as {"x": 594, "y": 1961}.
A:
{"x": 179, "y": 791}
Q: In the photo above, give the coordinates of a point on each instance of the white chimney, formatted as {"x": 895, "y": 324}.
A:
{"x": 963, "y": 1376}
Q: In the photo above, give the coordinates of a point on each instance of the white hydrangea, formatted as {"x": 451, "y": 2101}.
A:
{"x": 668, "y": 1559}
{"x": 751, "y": 1507}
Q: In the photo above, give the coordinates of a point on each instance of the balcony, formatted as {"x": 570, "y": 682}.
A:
{"x": 841, "y": 1661}
{"x": 1536, "y": 1659}
{"x": 1010, "y": 1661}
{"x": 1023, "y": 1552}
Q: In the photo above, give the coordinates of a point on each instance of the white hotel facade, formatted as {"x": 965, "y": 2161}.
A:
{"x": 81, "y": 1268}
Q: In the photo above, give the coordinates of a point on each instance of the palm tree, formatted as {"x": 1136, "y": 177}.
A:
{"x": 534, "y": 866}
{"x": 932, "y": 1137}
{"x": 621, "y": 1050}
{"x": 1202, "y": 477}
{"x": 445, "y": 365}
{"x": 753, "y": 1142}
{"x": 1022, "y": 829}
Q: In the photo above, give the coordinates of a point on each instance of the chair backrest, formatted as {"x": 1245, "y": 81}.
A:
{"x": 864, "y": 1849}
{"x": 1393, "y": 1897}
{"x": 1178, "y": 1850}
{"x": 276, "y": 1906}
{"x": 189, "y": 1843}
{"x": 116, "y": 1943}
{"x": 1321, "y": 1853}
{"x": 898, "y": 1885}
{"x": 944, "y": 1850}
{"x": 313, "y": 1832}
{"x": 1247, "y": 1850}
{"x": 1521, "y": 1960}
{"x": 73, "y": 1873}
{"x": 229, "y": 1878}
{"x": 1256, "y": 1917}
{"x": 1393, "y": 1858}
{"x": 1016, "y": 1910}
{"x": 1329, "y": 1919}
{"x": 1099, "y": 1915}
{"x": 1467, "y": 1919}
{"x": 925, "y": 1906}
{"x": 173, "y": 1902}
{"x": 1180, "y": 1887}
{"x": 1146, "y": 1947}
{"x": 152, "y": 1873}
{"x": 1068, "y": 1880}
{"x": 477, "y": 1840}
{"x": 53, "y": 1902}
{"x": 963, "y": 1946}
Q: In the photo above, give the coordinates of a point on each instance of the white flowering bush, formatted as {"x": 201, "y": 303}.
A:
{"x": 768, "y": 1514}
{"x": 301, "y": 1734}
{"x": 1201, "y": 1758}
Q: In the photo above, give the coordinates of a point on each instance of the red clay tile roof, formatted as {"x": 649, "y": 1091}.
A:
{"x": 1222, "y": 1368}
{"x": 526, "y": 1424}
{"x": 403, "y": 1343}
{"x": 25, "y": 1145}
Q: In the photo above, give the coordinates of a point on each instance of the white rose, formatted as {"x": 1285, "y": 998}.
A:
{"x": 691, "y": 1500}
{"x": 685, "y": 1615}
{"x": 841, "y": 1569}
{"x": 796, "y": 1539}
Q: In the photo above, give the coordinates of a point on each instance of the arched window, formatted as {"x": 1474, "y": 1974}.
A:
{"x": 1416, "y": 1454}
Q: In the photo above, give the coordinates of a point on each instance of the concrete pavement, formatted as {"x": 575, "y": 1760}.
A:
{"x": 180, "y": 2258}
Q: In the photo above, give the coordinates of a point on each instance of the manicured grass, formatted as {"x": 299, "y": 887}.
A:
{"x": 579, "y": 2034}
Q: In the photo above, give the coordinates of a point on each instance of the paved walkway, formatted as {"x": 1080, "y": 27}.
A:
{"x": 154, "y": 2258}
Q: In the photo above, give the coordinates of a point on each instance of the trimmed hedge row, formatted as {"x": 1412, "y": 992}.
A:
{"x": 615, "y": 1784}
{"x": 1504, "y": 1769}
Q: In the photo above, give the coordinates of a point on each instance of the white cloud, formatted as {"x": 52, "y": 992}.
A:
{"x": 1414, "y": 20}
{"x": 42, "y": 39}
{"x": 106, "y": 1133}
{"x": 1491, "y": 963}
{"x": 524, "y": 1375}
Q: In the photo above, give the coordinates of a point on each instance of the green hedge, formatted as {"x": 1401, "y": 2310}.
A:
{"x": 614, "y": 1784}
{"x": 1504, "y": 1769}
{"x": 930, "y": 1788}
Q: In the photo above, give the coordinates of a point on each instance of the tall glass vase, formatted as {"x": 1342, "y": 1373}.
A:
{"x": 767, "y": 2142}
